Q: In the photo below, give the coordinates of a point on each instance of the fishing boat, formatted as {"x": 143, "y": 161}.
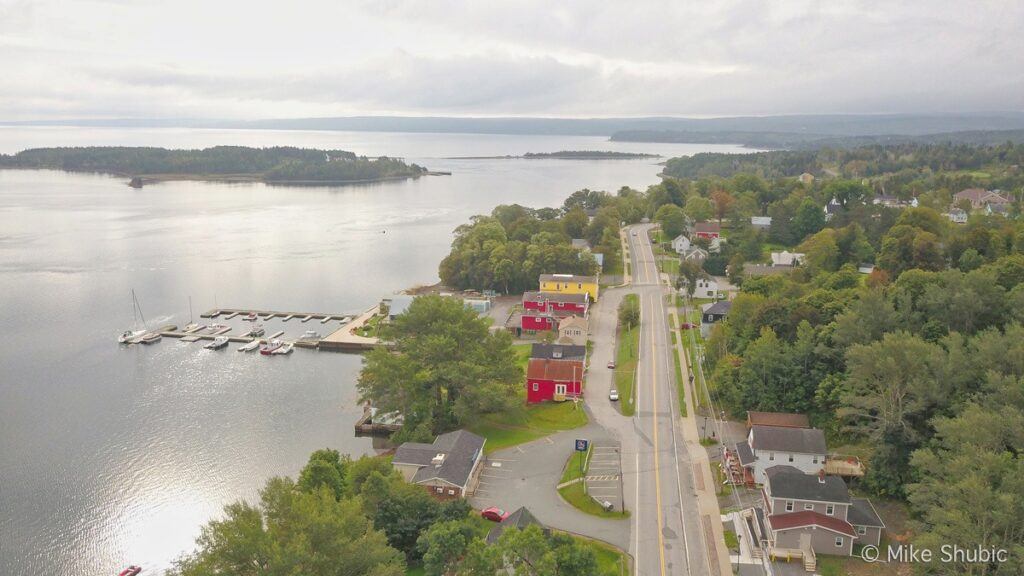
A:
{"x": 249, "y": 346}
{"x": 283, "y": 349}
{"x": 151, "y": 337}
{"x": 271, "y": 347}
{"x": 257, "y": 330}
{"x": 131, "y": 571}
{"x": 128, "y": 336}
{"x": 251, "y": 317}
{"x": 217, "y": 343}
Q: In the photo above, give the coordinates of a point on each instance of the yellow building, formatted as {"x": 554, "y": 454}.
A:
{"x": 569, "y": 284}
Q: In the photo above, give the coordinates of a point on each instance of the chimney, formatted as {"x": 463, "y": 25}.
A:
{"x": 438, "y": 460}
{"x": 821, "y": 476}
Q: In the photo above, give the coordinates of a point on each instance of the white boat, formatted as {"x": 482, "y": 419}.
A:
{"x": 190, "y": 327}
{"x": 128, "y": 336}
{"x": 249, "y": 346}
{"x": 312, "y": 334}
{"x": 250, "y": 317}
{"x": 284, "y": 349}
{"x": 257, "y": 330}
{"x": 217, "y": 343}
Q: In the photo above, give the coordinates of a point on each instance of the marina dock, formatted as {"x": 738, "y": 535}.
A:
{"x": 268, "y": 314}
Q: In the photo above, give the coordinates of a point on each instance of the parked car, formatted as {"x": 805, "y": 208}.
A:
{"x": 687, "y": 326}
{"x": 613, "y": 395}
{"x": 611, "y": 364}
{"x": 494, "y": 514}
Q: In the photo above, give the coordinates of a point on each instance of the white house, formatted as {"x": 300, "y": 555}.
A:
{"x": 695, "y": 254}
{"x": 957, "y": 216}
{"x": 767, "y": 446}
{"x": 706, "y": 288}
{"x": 761, "y": 222}
{"x": 680, "y": 244}
{"x": 786, "y": 258}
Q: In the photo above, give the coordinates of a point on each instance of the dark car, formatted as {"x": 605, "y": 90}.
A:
{"x": 494, "y": 514}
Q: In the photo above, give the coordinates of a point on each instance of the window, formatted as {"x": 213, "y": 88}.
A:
{"x": 579, "y": 286}
{"x": 789, "y": 506}
{"x": 790, "y": 457}
{"x": 439, "y": 490}
{"x": 451, "y": 492}
{"x": 839, "y": 542}
{"x": 771, "y": 455}
{"x": 862, "y": 530}
{"x": 814, "y": 460}
{"x": 830, "y": 509}
{"x": 536, "y": 387}
{"x": 808, "y": 506}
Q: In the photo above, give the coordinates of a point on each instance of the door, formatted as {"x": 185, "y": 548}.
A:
{"x": 560, "y": 389}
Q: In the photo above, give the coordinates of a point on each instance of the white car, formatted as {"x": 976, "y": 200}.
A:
{"x": 613, "y": 395}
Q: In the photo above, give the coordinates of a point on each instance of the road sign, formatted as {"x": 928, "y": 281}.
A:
{"x": 581, "y": 445}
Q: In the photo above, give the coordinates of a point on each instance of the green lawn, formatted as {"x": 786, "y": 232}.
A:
{"x": 532, "y": 422}
{"x": 680, "y": 385}
{"x": 522, "y": 354}
{"x": 626, "y": 356}
{"x": 669, "y": 266}
{"x": 731, "y": 541}
{"x": 370, "y": 329}
{"x": 610, "y": 560}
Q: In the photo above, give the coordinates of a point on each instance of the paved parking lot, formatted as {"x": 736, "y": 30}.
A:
{"x": 604, "y": 475}
{"x": 528, "y": 474}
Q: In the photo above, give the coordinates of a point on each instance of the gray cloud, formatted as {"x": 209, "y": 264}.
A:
{"x": 234, "y": 59}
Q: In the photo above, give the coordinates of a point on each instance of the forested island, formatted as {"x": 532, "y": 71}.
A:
{"x": 816, "y": 140}
{"x": 278, "y": 165}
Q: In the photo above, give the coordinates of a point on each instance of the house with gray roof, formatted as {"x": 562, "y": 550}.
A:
{"x": 448, "y": 468}
{"x": 813, "y": 514}
{"x": 518, "y": 520}
{"x": 711, "y": 313}
{"x": 801, "y": 448}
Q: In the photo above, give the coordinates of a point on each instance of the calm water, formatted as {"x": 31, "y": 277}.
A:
{"x": 112, "y": 455}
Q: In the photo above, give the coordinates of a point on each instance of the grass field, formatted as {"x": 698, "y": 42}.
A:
{"x": 680, "y": 385}
{"x": 532, "y": 422}
{"x": 626, "y": 356}
{"x": 610, "y": 560}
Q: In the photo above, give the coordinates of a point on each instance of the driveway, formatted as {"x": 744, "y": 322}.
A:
{"x": 528, "y": 474}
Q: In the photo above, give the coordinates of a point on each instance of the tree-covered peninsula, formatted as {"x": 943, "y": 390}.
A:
{"x": 279, "y": 164}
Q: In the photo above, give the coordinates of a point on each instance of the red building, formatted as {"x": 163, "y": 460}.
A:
{"x": 709, "y": 230}
{"x": 548, "y": 379}
{"x": 556, "y": 303}
{"x": 538, "y": 321}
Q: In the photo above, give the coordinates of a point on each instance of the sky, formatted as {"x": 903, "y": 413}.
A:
{"x": 253, "y": 59}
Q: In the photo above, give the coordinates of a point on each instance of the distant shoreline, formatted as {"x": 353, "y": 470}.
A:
{"x": 140, "y": 180}
{"x": 565, "y": 155}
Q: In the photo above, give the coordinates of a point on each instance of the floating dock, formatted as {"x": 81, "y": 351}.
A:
{"x": 268, "y": 314}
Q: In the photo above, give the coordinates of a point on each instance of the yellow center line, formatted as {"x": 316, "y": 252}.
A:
{"x": 654, "y": 410}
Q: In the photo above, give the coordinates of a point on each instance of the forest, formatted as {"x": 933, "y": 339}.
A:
{"x": 278, "y": 164}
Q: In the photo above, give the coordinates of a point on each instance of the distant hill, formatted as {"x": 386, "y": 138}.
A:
{"x": 796, "y": 141}
{"x": 788, "y": 127}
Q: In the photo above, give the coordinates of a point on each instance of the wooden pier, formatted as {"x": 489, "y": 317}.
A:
{"x": 365, "y": 426}
{"x": 268, "y": 314}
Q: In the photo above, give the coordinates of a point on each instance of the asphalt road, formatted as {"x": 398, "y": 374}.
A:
{"x": 668, "y": 533}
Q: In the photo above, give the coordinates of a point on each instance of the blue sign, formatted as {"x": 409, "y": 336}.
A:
{"x": 581, "y": 445}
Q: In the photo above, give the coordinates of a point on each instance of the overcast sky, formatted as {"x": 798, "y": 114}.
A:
{"x": 252, "y": 59}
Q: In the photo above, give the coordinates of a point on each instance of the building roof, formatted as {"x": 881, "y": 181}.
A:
{"x": 763, "y": 270}
{"x": 580, "y": 244}
{"x": 536, "y": 296}
{"x": 783, "y": 439}
{"x": 520, "y": 519}
{"x": 781, "y": 419}
{"x": 791, "y": 520}
{"x": 707, "y": 227}
{"x": 719, "y": 308}
{"x": 558, "y": 352}
{"x": 745, "y": 455}
{"x": 567, "y": 278}
{"x": 980, "y": 195}
{"x": 761, "y": 220}
{"x": 792, "y": 484}
{"x": 556, "y": 370}
{"x": 786, "y": 258}
{"x": 573, "y": 322}
{"x": 863, "y": 513}
{"x": 458, "y": 452}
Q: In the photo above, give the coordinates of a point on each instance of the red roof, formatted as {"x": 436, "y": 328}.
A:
{"x": 707, "y": 227}
{"x": 556, "y": 370}
{"x": 780, "y": 419}
{"x": 805, "y": 518}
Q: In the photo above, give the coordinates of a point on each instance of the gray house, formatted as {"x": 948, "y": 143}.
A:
{"x": 810, "y": 514}
{"x": 518, "y": 520}
{"x": 448, "y": 468}
{"x": 712, "y": 313}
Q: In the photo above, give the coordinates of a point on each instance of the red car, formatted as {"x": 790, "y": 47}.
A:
{"x": 686, "y": 326}
{"x": 494, "y": 514}
{"x": 130, "y": 571}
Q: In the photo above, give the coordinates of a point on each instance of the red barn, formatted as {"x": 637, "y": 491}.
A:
{"x": 709, "y": 230}
{"x": 548, "y": 379}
